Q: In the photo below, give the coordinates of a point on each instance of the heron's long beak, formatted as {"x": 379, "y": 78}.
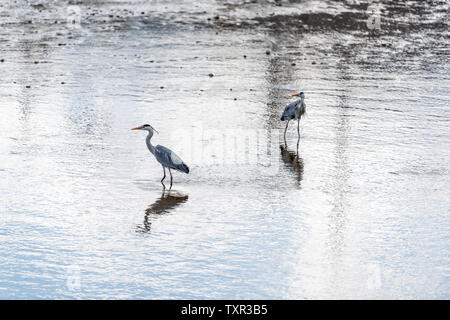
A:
{"x": 295, "y": 95}
{"x": 137, "y": 128}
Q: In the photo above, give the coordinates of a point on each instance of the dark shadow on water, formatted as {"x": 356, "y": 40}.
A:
{"x": 293, "y": 161}
{"x": 164, "y": 204}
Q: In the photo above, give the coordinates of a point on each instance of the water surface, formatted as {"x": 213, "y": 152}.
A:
{"x": 359, "y": 211}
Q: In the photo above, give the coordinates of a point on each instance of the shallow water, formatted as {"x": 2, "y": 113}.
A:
{"x": 360, "y": 212}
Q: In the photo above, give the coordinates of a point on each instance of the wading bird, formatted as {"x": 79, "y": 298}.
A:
{"x": 294, "y": 110}
{"x": 166, "y": 157}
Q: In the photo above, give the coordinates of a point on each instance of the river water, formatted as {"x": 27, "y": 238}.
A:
{"x": 360, "y": 210}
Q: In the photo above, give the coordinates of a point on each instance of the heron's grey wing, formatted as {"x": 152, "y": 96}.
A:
{"x": 289, "y": 111}
{"x": 170, "y": 159}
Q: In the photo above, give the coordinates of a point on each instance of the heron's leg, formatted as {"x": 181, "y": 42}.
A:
{"x": 164, "y": 176}
{"x": 287, "y": 123}
{"x": 298, "y": 132}
{"x": 171, "y": 178}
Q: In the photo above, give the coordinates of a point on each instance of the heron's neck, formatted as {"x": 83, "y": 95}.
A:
{"x": 149, "y": 144}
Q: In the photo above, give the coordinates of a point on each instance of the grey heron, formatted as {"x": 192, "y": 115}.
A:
{"x": 166, "y": 157}
{"x": 294, "y": 110}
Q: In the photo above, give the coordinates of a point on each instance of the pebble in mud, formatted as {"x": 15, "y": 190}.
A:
{"x": 245, "y": 57}
{"x": 2, "y": 60}
{"x": 211, "y": 75}
{"x": 267, "y": 52}
{"x": 162, "y": 87}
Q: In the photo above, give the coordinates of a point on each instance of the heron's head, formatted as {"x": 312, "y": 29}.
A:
{"x": 301, "y": 95}
{"x": 145, "y": 127}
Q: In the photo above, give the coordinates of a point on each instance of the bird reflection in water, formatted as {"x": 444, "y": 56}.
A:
{"x": 292, "y": 160}
{"x": 163, "y": 205}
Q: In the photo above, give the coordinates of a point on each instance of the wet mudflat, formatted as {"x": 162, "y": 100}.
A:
{"x": 360, "y": 210}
